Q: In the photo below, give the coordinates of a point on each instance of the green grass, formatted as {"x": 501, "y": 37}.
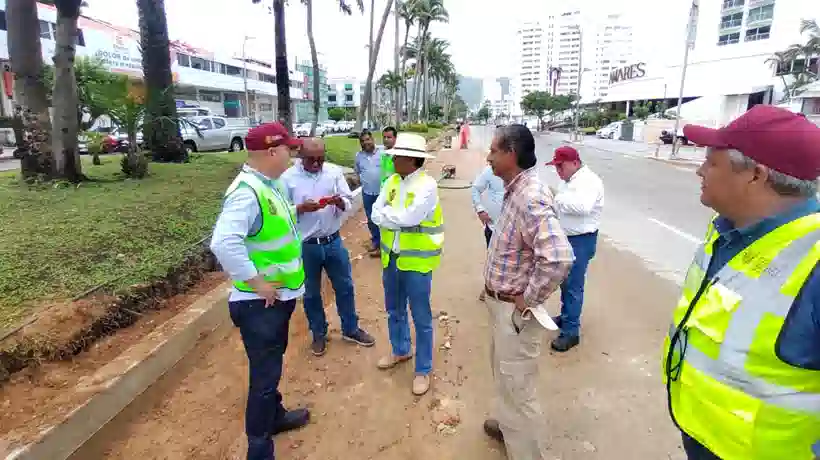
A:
{"x": 57, "y": 241}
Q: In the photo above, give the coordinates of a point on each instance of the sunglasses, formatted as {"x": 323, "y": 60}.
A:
{"x": 317, "y": 160}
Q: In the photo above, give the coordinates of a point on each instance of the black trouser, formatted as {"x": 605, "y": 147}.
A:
{"x": 265, "y": 335}
{"x": 695, "y": 450}
{"x": 488, "y": 234}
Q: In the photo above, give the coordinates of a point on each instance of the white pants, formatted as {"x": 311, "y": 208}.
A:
{"x": 514, "y": 356}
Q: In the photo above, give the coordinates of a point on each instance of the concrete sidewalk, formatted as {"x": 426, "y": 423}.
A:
{"x": 686, "y": 154}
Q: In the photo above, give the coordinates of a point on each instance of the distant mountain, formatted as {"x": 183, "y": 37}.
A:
{"x": 470, "y": 89}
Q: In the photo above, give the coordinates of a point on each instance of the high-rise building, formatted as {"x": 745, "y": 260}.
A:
{"x": 571, "y": 52}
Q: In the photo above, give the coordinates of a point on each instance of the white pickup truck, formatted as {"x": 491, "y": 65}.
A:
{"x": 214, "y": 133}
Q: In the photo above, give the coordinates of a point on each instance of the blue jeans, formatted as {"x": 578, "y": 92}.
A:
{"x": 367, "y": 201}
{"x": 399, "y": 288}
{"x": 265, "y": 336}
{"x": 334, "y": 259}
{"x": 695, "y": 450}
{"x": 572, "y": 289}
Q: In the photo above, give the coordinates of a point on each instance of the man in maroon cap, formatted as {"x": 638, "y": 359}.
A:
{"x": 257, "y": 243}
{"x": 579, "y": 202}
{"x": 742, "y": 357}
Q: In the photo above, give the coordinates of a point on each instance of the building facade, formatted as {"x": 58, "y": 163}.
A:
{"x": 344, "y": 92}
{"x": 730, "y": 67}
{"x": 202, "y": 78}
{"x": 304, "y": 107}
{"x": 570, "y": 52}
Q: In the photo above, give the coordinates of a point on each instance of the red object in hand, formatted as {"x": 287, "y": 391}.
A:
{"x": 325, "y": 200}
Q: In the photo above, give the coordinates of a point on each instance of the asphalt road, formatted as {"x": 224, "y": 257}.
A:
{"x": 651, "y": 208}
{"x": 9, "y": 164}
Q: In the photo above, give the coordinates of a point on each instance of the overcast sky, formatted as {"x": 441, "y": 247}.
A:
{"x": 481, "y": 33}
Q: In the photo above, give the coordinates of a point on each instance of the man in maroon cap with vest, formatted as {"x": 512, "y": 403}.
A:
{"x": 741, "y": 360}
{"x": 257, "y": 243}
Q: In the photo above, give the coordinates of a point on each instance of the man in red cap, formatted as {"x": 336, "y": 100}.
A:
{"x": 579, "y": 202}
{"x": 257, "y": 243}
{"x": 742, "y": 357}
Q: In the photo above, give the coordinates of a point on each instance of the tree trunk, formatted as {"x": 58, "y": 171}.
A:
{"x": 282, "y": 73}
{"x": 425, "y": 96}
{"x": 396, "y": 98}
{"x": 368, "y": 87}
{"x": 30, "y": 93}
{"x": 315, "y": 58}
{"x": 64, "y": 137}
{"x": 405, "y": 94}
{"x": 370, "y": 59}
{"x": 160, "y": 130}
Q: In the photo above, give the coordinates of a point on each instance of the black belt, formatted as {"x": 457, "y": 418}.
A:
{"x": 322, "y": 239}
{"x": 500, "y": 296}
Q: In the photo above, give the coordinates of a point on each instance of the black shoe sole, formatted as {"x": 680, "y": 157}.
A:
{"x": 564, "y": 349}
{"x": 358, "y": 342}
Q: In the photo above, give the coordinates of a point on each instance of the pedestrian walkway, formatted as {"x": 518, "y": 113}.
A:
{"x": 686, "y": 154}
{"x": 603, "y": 400}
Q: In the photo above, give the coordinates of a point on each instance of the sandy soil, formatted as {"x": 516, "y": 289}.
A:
{"x": 603, "y": 400}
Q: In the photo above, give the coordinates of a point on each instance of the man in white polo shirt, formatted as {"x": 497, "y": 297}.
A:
{"x": 579, "y": 202}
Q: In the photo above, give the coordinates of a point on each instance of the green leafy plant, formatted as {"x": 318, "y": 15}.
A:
{"x": 94, "y": 140}
{"x": 415, "y": 128}
{"x": 125, "y": 105}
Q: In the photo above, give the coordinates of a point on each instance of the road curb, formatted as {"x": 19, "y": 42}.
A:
{"x": 120, "y": 382}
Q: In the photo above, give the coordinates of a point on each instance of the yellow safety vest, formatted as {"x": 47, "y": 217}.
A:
{"x": 276, "y": 249}
{"x": 730, "y": 391}
{"x": 420, "y": 245}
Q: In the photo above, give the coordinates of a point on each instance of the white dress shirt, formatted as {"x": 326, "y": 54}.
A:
{"x": 488, "y": 194}
{"x": 302, "y": 186}
{"x": 580, "y": 202}
{"x": 239, "y": 218}
{"x": 422, "y": 208}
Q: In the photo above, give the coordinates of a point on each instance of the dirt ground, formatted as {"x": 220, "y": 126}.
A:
{"x": 603, "y": 400}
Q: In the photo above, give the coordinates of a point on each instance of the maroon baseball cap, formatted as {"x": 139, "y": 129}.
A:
{"x": 564, "y": 154}
{"x": 777, "y": 138}
{"x": 270, "y": 135}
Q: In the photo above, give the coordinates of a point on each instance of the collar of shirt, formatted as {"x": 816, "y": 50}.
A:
{"x": 518, "y": 180}
{"x": 265, "y": 179}
{"x": 732, "y": 240}
{"x": 410, "y": 176}
{"x": 580, "y": 173}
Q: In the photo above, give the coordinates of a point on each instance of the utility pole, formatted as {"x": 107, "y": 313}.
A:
{"x": 370, "y": 63}
{"x": 576, "y": 134}
{"x": 690, "y": 42}
{"x": 247, "y": 110}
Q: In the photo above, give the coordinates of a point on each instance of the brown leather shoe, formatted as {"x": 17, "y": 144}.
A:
{"x": 421, "y": 383}
{"x": 389, "y": 362}
{"x": 493, "y": 430}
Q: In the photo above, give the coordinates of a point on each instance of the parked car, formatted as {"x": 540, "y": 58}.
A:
{"x": 213, "y": 133}
{"x": 303, "y": 130}
{"x": 666, "y": 137}
{"x": 330, "y": 126}
{"x": 115, "y": 140}
{"x": 608, "y": 131}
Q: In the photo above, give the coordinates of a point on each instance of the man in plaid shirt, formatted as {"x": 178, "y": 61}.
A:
{"x": 528, "y": 259}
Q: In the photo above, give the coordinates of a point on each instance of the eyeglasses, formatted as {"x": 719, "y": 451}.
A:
{"x": 318, "y": 160}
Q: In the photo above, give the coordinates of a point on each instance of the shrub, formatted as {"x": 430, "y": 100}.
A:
{"x": 435, "y": 125}
{"x": 415, "y": 128}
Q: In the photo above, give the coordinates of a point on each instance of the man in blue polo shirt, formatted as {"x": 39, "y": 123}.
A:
{"x": 742, "y": 357}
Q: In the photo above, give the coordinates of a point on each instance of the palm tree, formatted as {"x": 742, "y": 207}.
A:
{"x": 392, "y": 82}
{"x": 161, "y": 133}
{"x": 67, "y": 163}
{"x": 317, "y": 102}
{"x": 282, "y": 72}
{"x": 438, "y": 65}
{"x": 427, "y": 12}
{"x": 407, "y": 12}
{"x": 374, "y": 55}
{"x": 30, "y": 91}
{"x": 784, "y": 61}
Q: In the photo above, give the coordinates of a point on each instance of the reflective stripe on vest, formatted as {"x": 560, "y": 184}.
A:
{"x": 276, "y": 249}
{"x": 732, "y": 393}
{"x": 419, "y": 245}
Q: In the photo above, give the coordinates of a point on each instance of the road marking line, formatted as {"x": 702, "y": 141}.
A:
{"x": 674, "y": 230}
{"x": 684, "y": 169}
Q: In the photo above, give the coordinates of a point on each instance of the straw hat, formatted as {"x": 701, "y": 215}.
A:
{"x": 410, "y": 145}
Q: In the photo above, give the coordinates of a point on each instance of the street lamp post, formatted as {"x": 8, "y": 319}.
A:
{"x": 245, "y": 77}
{"x": 693, "y": 14}
{"x": 581, "y": 71}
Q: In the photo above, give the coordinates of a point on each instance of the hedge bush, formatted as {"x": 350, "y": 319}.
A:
{"x": 415, "y": 128}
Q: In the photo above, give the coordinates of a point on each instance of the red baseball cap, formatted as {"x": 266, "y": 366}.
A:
{"x": 268, "y": 135}
{"x": 777, "y": 138}
{"x": 564, "y": 154}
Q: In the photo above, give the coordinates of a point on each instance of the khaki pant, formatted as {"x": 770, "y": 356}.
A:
{"x": 514, "y": 357}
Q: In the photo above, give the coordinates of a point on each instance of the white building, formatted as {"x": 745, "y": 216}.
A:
{"x": 728, "y": 70}
{"x": 501, "y": 103}
{"x": 554, "y": 52}
{"x": 344, "y": 92}
{"x": 202, "y": 78}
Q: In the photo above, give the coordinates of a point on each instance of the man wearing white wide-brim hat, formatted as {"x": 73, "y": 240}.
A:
{"x": 410, "y": 221}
